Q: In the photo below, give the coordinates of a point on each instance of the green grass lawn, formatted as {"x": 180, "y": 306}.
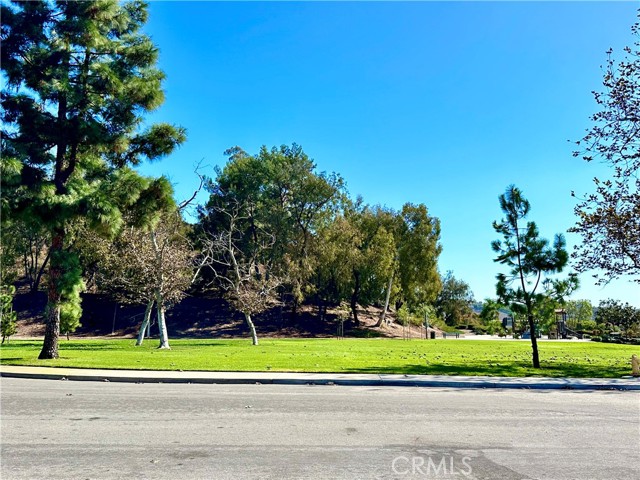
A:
{"x": 442, "y": 357}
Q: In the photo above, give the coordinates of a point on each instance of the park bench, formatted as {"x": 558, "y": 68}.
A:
{"x": 456, "y": 334}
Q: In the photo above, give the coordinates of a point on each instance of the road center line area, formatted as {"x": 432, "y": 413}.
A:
{"x": 95, "y": 430}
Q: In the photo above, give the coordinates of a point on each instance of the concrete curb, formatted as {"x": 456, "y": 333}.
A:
{"x": 280, "y": 378}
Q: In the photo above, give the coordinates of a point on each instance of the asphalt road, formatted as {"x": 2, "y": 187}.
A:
{"x": 87, "y": 430}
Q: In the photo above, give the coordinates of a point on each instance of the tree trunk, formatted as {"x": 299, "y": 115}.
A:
{"x": 145, "y": 323}
{"x": 52, "y": 330}
{"x": 354, "y": 298}
{"x": 162, "y": 325}
{"x": 534, "y": 341}
{"x": 252, "y": 328}
{"x": 36, "y": 283}
{"x": 386, "y": 303}
{"x": 320, "y": 311}
{"x": 294, "y": 310}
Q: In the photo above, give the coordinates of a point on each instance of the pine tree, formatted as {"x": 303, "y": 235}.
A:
{"x": 80, "y": 76}
{"x": 528, "y": 257}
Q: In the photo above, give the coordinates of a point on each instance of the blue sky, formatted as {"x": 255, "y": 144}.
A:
{"x": 438, "y": 103}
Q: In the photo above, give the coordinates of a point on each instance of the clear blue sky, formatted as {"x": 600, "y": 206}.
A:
{"x": 438, "y": 103}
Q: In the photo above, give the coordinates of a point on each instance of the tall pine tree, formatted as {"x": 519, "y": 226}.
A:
{"x": 80, "y": 76}
{"x": 529, "y": 259}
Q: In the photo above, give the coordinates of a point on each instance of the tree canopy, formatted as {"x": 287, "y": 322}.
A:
{"x": 454, "y": 301}
{"x": 609, "y": 218}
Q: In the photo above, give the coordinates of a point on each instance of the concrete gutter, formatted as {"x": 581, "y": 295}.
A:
{"x": 284, "y": 378}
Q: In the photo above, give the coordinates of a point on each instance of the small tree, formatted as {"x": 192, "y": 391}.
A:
{"x": 528, "y": 258}
{"x": 490, "y": 311}
{"x": 241, "y": 267}
{"x": 579, "y": 313}
{"x": 454, "y": 301}
{"x": 25, "y": 242}
{"x": 494, "y": 327}
{"x": 7, "y": 315}
{"x": 149, "y": 265}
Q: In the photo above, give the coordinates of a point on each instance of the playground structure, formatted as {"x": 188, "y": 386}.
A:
{"x": 562, "y": 329}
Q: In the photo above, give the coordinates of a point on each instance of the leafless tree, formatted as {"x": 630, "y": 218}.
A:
{"x": 150, "y": 266}
{"x": 239, "y": 266}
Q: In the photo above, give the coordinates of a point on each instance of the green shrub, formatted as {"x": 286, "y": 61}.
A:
{"x": 633, "y": 331}
{"x": 480, "y": 330}
{"x": 587, "y": 326}
{"x": 7, "y": 315}
{"x": 494, "y": 327}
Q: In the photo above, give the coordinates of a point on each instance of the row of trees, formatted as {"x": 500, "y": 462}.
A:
{"x": 274, "y": 231}
{"x": 80, "y": 77}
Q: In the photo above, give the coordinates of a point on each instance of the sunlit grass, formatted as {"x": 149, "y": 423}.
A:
{"x": 442, "y": 357}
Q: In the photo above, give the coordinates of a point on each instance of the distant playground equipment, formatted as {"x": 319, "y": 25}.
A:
{"x": 562, "y": 330}
{"x": 526, "y": 335}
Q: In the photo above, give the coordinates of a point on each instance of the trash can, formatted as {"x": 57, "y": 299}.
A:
{"x": 432, "y": 335}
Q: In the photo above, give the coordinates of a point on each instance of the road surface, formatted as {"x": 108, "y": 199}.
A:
{"x": 95, "y": 430}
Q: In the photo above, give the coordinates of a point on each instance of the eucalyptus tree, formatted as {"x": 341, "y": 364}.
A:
{"x": 418, "y": 251}
{"x": 282, "y": 193}
{"x": 414, "y": 277}
{"x": 528, "y": 258}
{"x": 357, "y": 258}
{"x": 376, "y": 251}
{"x": 338, "y": 256}
{"x": 393, "y": 223}
{"x": 79, "y": 78}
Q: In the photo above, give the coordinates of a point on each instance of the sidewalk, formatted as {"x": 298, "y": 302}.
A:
{"x": 283, "y": 378}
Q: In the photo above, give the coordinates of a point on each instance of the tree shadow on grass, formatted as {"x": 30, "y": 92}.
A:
{"x": 22, "y": 344}
{"x": 196, "y": 343}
